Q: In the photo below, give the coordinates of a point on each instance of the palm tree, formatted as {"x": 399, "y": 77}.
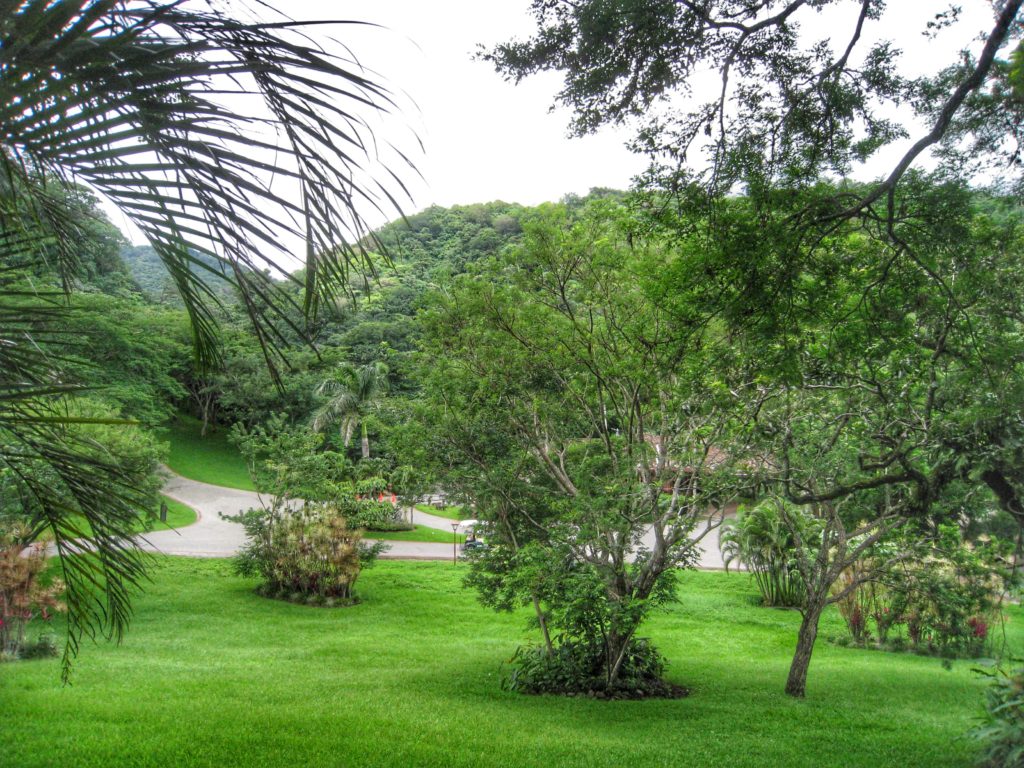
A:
{"x": 352, "y": 393}
{"x": 761, "y": 539}
{"x": 214, "y": 136}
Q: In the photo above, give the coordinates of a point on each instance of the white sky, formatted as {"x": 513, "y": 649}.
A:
{"x": 487, "y": 139}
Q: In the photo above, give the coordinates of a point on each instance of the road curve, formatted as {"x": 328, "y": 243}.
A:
{"x": 211, "y": 536}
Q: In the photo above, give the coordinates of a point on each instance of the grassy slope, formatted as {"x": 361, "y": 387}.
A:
{"x": 178, "y": 516}
{"x": 452, "y": 513}
{"x": 209, "y": 459}
{"x": 212, "y": 675}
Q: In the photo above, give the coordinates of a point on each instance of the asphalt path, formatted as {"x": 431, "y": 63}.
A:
{"x": 212, "y": 536}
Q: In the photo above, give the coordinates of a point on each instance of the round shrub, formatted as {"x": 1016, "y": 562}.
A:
{"x": 579, "y": 668}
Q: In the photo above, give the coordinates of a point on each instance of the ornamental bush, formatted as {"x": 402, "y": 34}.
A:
{"x": 942, "y": 603}
{"x": 25, "y": 595}
{"x": 305, "y": 554}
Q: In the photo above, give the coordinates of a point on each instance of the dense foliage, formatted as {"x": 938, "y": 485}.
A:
{"x": 940, "y": 595}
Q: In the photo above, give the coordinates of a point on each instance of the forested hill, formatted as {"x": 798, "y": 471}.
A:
{"x": 451, "y": 238}
{"x": 426, "y": 249}
{"x": 445, "y": 241}
{"x": 433, "y": 244}
{"x": 436, "y": 240}
{"x": 379, "y": 324}
{"x": 150, "y": 274}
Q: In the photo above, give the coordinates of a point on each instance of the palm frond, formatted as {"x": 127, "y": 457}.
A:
{"x": 216, "y": 137}
{"x": 139, "y": 99}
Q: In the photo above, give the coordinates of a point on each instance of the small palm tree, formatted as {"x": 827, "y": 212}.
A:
{"x": 352, "y": 393}
{"x": 764, "y": 542}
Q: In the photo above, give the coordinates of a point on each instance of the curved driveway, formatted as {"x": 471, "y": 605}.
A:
{"x": 210, "y": 536}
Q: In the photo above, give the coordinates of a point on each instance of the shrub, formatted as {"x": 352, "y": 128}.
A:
{"x": 578, "y": 667}
{"x": 1002, "y": 734}
{"x": 764, "y": 543}
{"x": 867, "y": 601}
{"x": 305, "y": 554}
{"x": 24, "y": 594}
{"x": 372, "y": 515}
{"x": 44, "y": 647}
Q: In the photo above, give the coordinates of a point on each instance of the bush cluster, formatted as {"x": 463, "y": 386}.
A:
{"x": 308, "y": 554}
{"x": 373, "y": 515}
{"x": 944, "y": 604}
{"x": 577, "y": 668}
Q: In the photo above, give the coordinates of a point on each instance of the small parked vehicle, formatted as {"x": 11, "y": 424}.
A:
{"x": 473, "y": 540}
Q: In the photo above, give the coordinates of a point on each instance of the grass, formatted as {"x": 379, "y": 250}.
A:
{"x": 452, "y": 513}
{"x": 209, "y": 459}
{"x": 178, "y": 516}
{"x": 420, "y": 533}
{"x": 212, "y": 675}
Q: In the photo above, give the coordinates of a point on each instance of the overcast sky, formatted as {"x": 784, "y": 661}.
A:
{"x": 486, "y": 139}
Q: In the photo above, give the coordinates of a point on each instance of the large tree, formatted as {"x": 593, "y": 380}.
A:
{"x": 882, "y": 364}
{"x": 214, "y": 135}
{"x": 557, "y": 401}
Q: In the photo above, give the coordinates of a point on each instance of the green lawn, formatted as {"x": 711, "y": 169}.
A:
{"x": 212, "y": 675}
{"x": 209, "y": 459}
{"x": 452, "y": 513}
{"x": 178, "y": 516}
{"x": 421, "y": 533}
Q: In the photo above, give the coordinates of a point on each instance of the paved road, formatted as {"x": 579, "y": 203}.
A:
{"x": 211, "y": 536}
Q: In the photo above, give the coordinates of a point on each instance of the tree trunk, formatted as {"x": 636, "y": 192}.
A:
{"x": 616, "y": 646}
{"x": 366, "y": 443}
{"x": 796, "y": 683}
{"x": 542, "y": 620}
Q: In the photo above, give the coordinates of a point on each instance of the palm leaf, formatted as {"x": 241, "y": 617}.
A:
{"x": 130, "y": 98}
{"x": 216, "y": 137}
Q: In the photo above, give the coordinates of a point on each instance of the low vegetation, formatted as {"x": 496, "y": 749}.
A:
{"x": 419, "y": 533}
{"x": 451, "y": 512}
